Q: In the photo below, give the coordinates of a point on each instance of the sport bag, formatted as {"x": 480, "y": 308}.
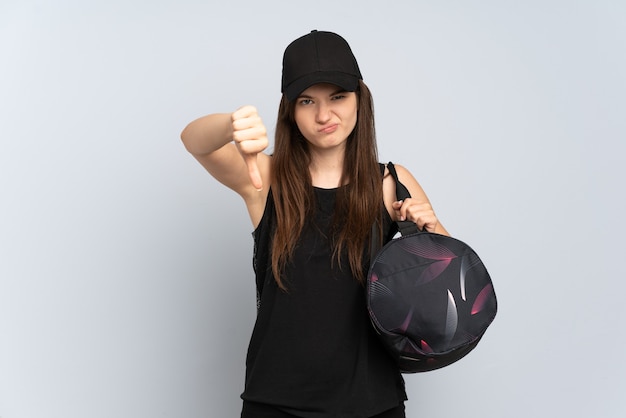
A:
{"x": 429, "y": 296}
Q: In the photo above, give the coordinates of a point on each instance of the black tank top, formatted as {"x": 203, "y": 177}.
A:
{"x": 313, "y": 351}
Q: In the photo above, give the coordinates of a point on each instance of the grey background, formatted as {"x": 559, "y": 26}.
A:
{"x": 126, "y": 286}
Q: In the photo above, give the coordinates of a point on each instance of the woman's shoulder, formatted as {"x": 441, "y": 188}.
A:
{"x": 403, "y": 174}
{"x": 389, "y": 184}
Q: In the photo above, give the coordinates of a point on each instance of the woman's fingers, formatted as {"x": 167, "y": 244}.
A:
{"x": 421, "y": 213}
{"x": 250, "y": 136}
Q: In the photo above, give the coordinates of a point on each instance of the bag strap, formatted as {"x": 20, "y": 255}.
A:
{"x": 405, "y": 227}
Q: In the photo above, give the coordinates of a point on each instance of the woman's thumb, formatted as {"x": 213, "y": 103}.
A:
{"x": 253, "y": 171}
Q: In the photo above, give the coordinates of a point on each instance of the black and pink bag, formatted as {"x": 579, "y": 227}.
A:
{"x": 429, "y": 296}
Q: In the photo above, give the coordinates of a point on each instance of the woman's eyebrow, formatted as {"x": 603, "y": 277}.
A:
{"x": 334, "y": 93}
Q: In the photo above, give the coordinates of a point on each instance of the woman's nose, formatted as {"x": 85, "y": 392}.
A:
{"x": 323, "y": 113}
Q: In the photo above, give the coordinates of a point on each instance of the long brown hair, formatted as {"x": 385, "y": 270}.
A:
{"x": 358, "y": 205}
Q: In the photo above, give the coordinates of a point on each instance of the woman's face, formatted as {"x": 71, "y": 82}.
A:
{"x": 326, "y": 115}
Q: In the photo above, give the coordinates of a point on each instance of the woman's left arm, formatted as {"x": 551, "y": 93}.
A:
{"x": 417, "y": 208}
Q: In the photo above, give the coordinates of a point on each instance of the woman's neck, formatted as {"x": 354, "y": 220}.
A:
{"x": 326, "y": 169}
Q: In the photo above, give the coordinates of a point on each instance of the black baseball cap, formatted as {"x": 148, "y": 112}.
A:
{"x": 318, "y": 57}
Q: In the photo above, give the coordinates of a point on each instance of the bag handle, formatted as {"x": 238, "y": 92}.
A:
{"x": 405, "y": 227}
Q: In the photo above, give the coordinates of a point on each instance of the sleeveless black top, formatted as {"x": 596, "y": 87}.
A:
{"x": 313, "y": 351}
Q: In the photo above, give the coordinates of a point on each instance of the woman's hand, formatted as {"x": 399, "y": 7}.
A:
{"x": 421, "y": 213}
{"x": 250, "y": 137}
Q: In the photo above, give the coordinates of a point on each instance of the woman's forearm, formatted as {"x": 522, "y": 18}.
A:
{"x": 208, "y": 133}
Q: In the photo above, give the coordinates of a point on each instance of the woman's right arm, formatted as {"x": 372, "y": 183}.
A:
{"x": 229, "y": 147}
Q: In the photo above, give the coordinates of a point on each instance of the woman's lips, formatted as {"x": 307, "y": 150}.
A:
{"x": 329, "y": 129}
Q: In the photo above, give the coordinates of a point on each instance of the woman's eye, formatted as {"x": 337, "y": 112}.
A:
{"x": 306, "y": 101}
{"x": 339, "y": 97}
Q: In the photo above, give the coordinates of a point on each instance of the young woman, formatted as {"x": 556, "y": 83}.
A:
{"x": 313, "y": 351}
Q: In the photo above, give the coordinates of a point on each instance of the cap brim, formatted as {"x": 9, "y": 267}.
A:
{"x": 347, "y": 82}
